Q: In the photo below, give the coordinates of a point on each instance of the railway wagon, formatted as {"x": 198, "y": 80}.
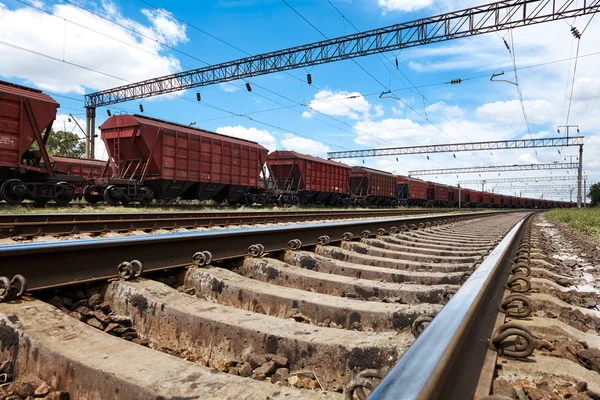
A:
{"x": 476, "y": 198}
{"x": 26, "y": 118}
{"x": 83, "y": 167}
{"x": 437, "y": 194}
{"x": 411, "y": 191}
{"x": 304, "y": 179}
{"x": 175, "y": 161}
{"x": 464, "y": 195}
{"x": 486, "y": 199}
{"x": 372, "y": 187}
{"x": 88, "y": 169}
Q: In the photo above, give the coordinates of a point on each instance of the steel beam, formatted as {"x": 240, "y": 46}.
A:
{"x": 464, "y": 23}
{"x": 540, "y": 188}
{"x": 519, "y": 179}
{"x": 497, "y": 168}
{"x": 579, "y": 176}
{"x": 456, "y": 147}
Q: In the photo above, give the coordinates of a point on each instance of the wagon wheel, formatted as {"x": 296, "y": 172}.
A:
{"x": 113, "y": 195}
{"x": 146, "y": 196}
{"x": 65, "y": 196}
{"x": 249, "y": 199}
{"x": 13, "y": 191}
{"x": 90, "y": 196}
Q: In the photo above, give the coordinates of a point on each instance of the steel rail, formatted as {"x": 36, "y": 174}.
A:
{"x": 61, "y": 263}
{"x": 447, "y": 360}
{"x": 61, "y": 223}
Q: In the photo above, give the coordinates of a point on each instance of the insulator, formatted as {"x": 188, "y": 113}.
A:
{"x": 108, "y": 113}
{"x": 309, "y": 79}
{"x": 396, "y": 62}
{"x": 248, "y": 87}
{"x": 141, "y": 108}
{"x": 198, "y": 97}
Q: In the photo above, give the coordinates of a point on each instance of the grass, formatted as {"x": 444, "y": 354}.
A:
{"x": 585, "y": 220}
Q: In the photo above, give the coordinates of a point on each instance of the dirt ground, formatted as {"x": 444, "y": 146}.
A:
{"x": 565, "y": 322}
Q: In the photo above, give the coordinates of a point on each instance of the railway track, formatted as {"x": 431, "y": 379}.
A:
{"x": 29, "y": 225}
{"x": 304, "y": 312}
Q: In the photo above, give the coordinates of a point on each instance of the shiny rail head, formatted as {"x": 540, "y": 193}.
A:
{"x": 416, "y": 369}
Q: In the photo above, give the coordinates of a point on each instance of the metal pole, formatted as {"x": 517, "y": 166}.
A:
{"x": 585, "y": 192}
{"x": 579, "y": 175}
{"x": 92, "y": 137}
{"x": 458, "y": 196}
{"x": 87, "y": 131}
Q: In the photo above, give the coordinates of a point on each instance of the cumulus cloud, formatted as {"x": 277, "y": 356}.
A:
{"x": 449, "y": 111}
{"x": 130, "y": 57}
{"x": 228, "y": 87}
{"x": 304, "y": 145}
{"x": 538, "y": 111}
{"x": 403, "y": 5}
{"x": 261, "y": 136}
{"x": 339, "y": 103}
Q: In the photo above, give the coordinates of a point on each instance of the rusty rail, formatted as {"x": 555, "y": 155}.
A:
{"x": 62, "y": 263}
{"x": 28, "y": 225}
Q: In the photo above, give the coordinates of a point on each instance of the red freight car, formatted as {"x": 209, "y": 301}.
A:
{"x": 486, "y": 199}
{"x": 86, "y": 168}
{"x": 411, "y": 191}
{"x": 26, "y": 118}
{"x": 78, "y": 166}
{"x": 372, "y": 187}
{"x": 468, "y": 198}
{"x": 476, "y": 198}
{"x": 437, "y": 194}
{"x": 306, "y": 179}
{"x": 177, "y": 161}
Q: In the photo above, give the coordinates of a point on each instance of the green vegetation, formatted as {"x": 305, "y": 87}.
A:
{"x": 63, "y": 143}
{"x": 594, "y": 194}
{"x": 586, "y": 220}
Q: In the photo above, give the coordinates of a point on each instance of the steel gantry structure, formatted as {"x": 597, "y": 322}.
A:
{"x": 495, "y": 168}
{"x": 521, "y": 179}
{"x": 458, "y": 147}
{"x": 500, "y": 168}
{"x": 457, "y": 24}
{"x": 472, "y": 21}
{"x": 540, "y": 188}
{"x": 533, "y": 179}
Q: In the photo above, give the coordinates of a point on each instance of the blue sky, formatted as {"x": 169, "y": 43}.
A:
{"x": 133, "y": 40}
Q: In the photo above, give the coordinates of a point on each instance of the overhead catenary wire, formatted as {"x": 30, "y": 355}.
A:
{"x": 374, "y": 78}
{"x": 203, "y": 104}
{"x": 413, "y": 86}
{"x": 162, "y": 57}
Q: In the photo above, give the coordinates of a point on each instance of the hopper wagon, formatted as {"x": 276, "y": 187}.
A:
{"x": 171, "y": 161}
{"x": 372, "y": 187}
{"x": 302, "y": 179}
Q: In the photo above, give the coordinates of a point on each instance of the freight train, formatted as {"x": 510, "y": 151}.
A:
{"x": 155, "y": 159}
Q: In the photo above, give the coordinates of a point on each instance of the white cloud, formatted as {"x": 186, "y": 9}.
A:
{"x": 538, "y": 111}
{"x": 47, "y": 34}
{"x": 228, "y": 87}
{"x": 304, "y": 145}
{"x": 403, "y": 5}
{"x": 449, "y": 111}
{"x": 341, "y": 103}
{"x": 167, "y": 29}
{"x": 263, "y": 137}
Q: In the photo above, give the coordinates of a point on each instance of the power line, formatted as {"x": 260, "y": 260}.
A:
{"x": 204, "y": 104}
{"x": 374, "y": 78}
{"x": 412, "y": 84}
{"x": 573, "y": 84}
{"x": 164, "y": 44}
